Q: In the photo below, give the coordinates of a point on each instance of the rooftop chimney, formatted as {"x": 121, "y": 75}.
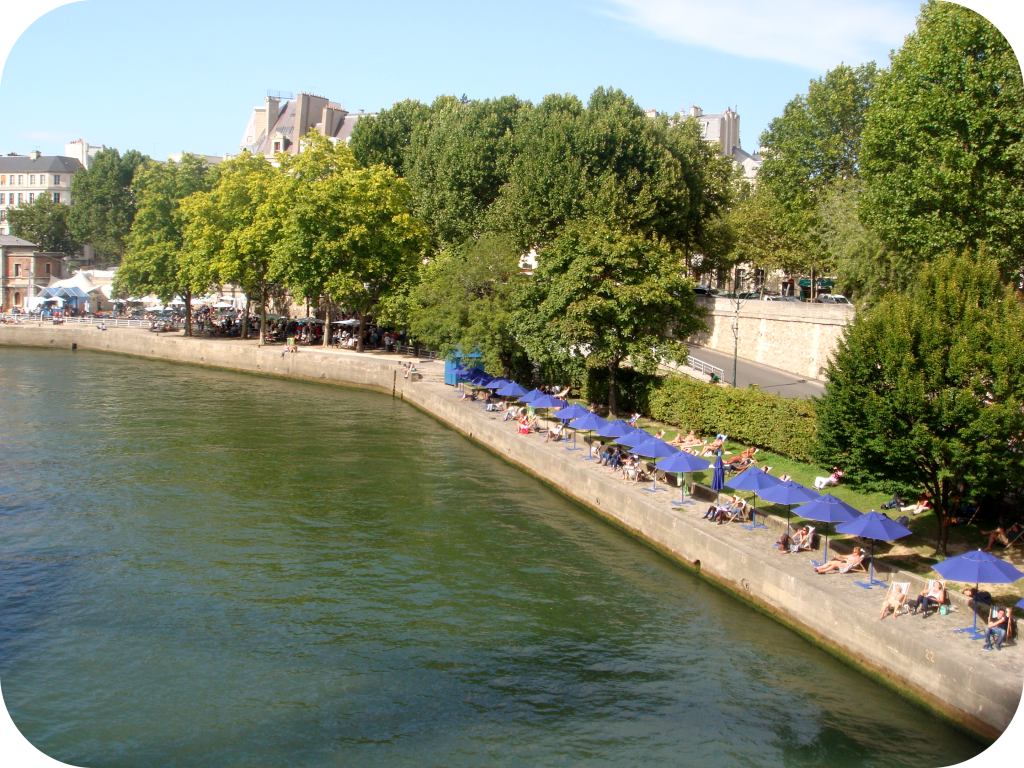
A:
{"x": 695, "y": 111}
{"x": 34, "y": 154}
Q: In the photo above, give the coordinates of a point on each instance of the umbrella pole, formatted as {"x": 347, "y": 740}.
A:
{"x": 588, "y": 457}
{"x": 973, "y": 629}
{"x": 682, "y": 487}
{"x": 871, "y": 571}
{"x": 825, "y": 558}
{"x": 753, "y": 518}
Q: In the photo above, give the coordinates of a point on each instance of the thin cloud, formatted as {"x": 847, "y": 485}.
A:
{"x": 817, "y": 34}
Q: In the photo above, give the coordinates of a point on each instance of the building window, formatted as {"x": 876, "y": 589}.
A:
{"x": 56, "y": 197}
{"x": 3, "y": 180}
{"x": 21, "y": 180}
{"x": 32, "y": 180}
{"x": 17, "y": 270}
{"x": 277, "y": 146}
{"x": 3, "y": 198}
{"x": 17, "y": 299}
{"x": 31, "y": 197}
{"x": 47, "y": 270}
{"x": 3, "y": 215}
{"x": 56, "y": 179}
{"x": 21, "y": 197}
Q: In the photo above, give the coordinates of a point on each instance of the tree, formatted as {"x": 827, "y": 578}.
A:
{"x": 384, "y": 139}
{"x": 603, "y": 296}
{"x": 926, "y": 389}
{"x": 45, "y": 223}
{"x": 464, "y": 299}
{"x": 349, "y": 234}
{"x": 943, "y": 143}
{"x": 103, "y": 202}
{"x": 236, "y": 225}
{"x": 157, "y": 260}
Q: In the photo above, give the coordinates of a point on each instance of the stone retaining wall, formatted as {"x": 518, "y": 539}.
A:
{"x": 798, "y": 338}
{"x": 942, "y": 672}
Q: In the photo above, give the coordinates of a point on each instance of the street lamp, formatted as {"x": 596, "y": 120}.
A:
{"x": 737, "y": 283}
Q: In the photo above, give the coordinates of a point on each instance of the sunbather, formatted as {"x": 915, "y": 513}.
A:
{"x": 800, "y": 540}
{"x": 633, "y": 419}
{"x": 740, "y": 458}
{"x": 995, "y": 631}
{"x": 934, "y": 595}
{"x": 659, "y": 435}
{"x": 1002, "y": 536}
{"x": 825, "y": 482}
{"x": 897, "y": 593}
{"x": 842, "y": 563}
{"x": 554, "y": 433}
{"x": 713, "y": 447}
{"x": 680, "y": 440}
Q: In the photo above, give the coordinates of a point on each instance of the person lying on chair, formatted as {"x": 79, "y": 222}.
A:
{"x": 934, "y": 595}
{"x": 897, "y": 593}
{"x": 1002, "y": 536}
{"x": 842, "y": 564}
{"x": 555, "y": 433}
{"x": 713, "y": 447}
{"x": 689, "y": 440}
{"x": 739, "y": 458}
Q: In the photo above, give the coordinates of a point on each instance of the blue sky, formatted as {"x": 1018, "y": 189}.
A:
{"x": 166, "y": 77}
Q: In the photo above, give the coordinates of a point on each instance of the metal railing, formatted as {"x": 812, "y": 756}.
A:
{"x": 112, "y": 322}
{"x": 706, "y": 368}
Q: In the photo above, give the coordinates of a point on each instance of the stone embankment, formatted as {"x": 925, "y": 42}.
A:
{"x": 922, "y": 659}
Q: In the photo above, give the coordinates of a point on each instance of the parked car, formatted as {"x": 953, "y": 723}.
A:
{"x": 706, "y": 290}
{"x": 833, "y": 298}
{"x": 782, "y": 298}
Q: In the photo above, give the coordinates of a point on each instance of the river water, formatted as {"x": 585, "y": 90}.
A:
{"x": 202, "y": 568}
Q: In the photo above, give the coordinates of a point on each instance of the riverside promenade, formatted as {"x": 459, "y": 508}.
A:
{"x": 924, "y": 660}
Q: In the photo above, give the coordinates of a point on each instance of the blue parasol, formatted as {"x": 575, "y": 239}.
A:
{"x": 571, "y": 412}
{"x": 653, "y": 448}
{"x": 876, "y": 527}
{"x": 718, "y": 478}
{"x": 634, "y": 438}
{"x": 981, "y": 568}
{"x": 589, "y": 422}
{"x": 754, "y": 479}
{"x": 530, "y": 396}
{"x": 788, "y": 492}
{"x": 680, "y": 463}
{"x": 497, "y": 383}
{"x": 511, "y": 390}
{"x": 827, "y": 509}
{"x": 617, "y": 428}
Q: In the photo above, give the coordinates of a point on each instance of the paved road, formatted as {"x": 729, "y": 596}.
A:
{"x": 769, "y": 379}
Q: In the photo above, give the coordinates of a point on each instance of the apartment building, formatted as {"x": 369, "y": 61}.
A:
{"x": 284, "y": 119}
{"x": 24, "y": 271}
{"x": 23, "y": 178}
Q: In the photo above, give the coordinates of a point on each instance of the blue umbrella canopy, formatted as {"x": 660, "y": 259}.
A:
{"x": 718, "y": 478}
{"x": 753, "y": 479}
{"x": 511, "y": 390}
{"x": 683, "y": 462}
{"x": 1020, "y": 603}
{"x": 530, "y": 396}
{"x": 788, "y": 492}
{"x": 874, "y": 525}
{"x": 547, "y": 401}
{"x": 617, "y": 428}
{"x": 589, "y": 421}
{"x": 574, "y": 411}
{"x": 978, "y": 568}
{"x": 634, "y": 438}
{"x": 497, "y": 383}
{"x": 827, "y": 509}
{"x": 654, "y": 449}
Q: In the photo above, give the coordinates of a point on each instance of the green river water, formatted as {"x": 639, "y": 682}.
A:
{"x": 202, "y": 568}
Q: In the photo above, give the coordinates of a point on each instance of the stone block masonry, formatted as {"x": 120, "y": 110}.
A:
{"x": 924, "y": 660}
{"x": 798, "y": 338}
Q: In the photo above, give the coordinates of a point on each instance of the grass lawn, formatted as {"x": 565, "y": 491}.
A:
{"x": 912, "y": 553}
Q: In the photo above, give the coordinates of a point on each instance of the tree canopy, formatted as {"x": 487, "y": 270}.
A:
{"x": 45, "y": 223}
{"x": 943, "y": 151}
{"x": 104, "y": 202}
{"x": 926, "y": 389}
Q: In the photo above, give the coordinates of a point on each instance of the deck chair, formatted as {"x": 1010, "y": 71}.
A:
{"x": 857, "y": 566}
{"x": 1016, "y": 540}
{"x": 931, "y": 583}
{"x": 902, "y": 606}
{"x": 810, "y": 541}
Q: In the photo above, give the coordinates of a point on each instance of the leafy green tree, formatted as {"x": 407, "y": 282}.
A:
{"x": 926, "y": 390}
{"x": 384, "y": 139}
{"x": 45, "y": 223}
{"x": 458, "y": 161}
{"x": 157, "y": 260}
{"x": 464, "y": 299}
{"x": 236, "y": 226}
{"x": 349, "y": 234}
{"x": 104, "y": 203}
{"x": 943, "y": 142}
{"x": 602, "y": 297}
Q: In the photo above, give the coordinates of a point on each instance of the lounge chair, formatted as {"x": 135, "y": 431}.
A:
{"x": 902, "y": 606}
{"x": 857, "y": 566}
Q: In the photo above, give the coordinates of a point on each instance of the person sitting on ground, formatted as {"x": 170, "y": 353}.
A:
{"x": 714, "y": 447}
{"x": 555, "y": 433}
{"x": 894, "y": 502}
{"x": 526, "y": 424}
{"x": 1003, "y": 536}
{"x": 826, "y": 482}
{"x": 935, "y": 595}
{"x": 894, "y": 599}
{"x": 659, "y": 435}
{"x": 841, "y": 563}
{"x": 996, "y": 628}
{"x": 740, "y": 458}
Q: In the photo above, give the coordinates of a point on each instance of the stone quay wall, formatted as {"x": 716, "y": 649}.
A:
{"x": 798, "y": 338}
{"x": 924, "y": 661}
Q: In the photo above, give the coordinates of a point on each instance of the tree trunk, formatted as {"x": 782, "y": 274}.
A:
{"x": 263, "y": 321}
{"x": 813, "y": 283}
{"x": 612, "y": 368}
{"x": 327, "y": 324}
{"x": 362, "y": 330}
{"x": 188, "y": 313}
{"x": 245, "y": 320}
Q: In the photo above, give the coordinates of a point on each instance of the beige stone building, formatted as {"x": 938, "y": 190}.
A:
{"x": 284, "y": 119}
{"x": 24, "y": 271}
{"x": 23, "y": 178}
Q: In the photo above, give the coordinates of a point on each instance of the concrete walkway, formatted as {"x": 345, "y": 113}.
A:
{"x": 767, "y": 378}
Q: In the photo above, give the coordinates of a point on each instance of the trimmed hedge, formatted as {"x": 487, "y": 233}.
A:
{"x": 777, "y": 424}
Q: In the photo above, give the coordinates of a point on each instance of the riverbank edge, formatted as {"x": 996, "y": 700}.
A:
{"x": 980, "y": 707}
